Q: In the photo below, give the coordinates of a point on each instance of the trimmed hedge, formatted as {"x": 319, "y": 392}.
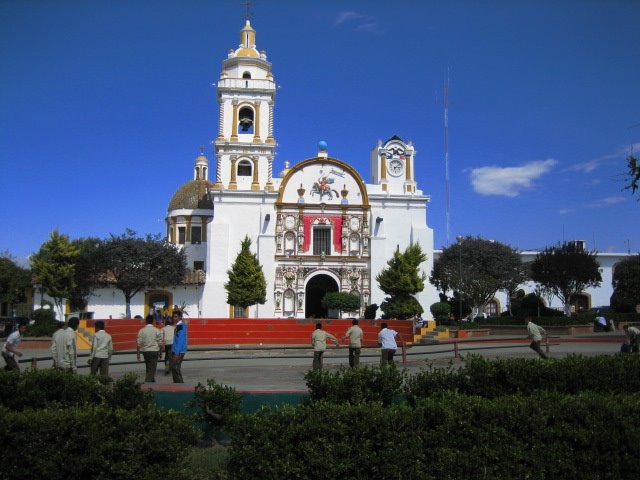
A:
{"x": 492, "y": 378}
{"x": 50, "y": 387}
{"x": 94, "y": 442}
{"x": 542, "y": 436}
{"x": 355, "y": 385}
{"x": 478, "y": 376}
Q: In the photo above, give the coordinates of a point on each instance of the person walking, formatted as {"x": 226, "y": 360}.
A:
{"x": 319, "y": 344}
{"x": 634, "y": 337}
{"x": 535, "y": 333}
{"x": 101, "y": 350}
{"x": 355, "y": 336}
{"x": 64, "y": 350}
{"x": 178, "y": 350}
{"x": 387, "y": 340}
{"x": 167, "y": 339}
{"x": 10, "y": 350}
{"x": 149, "y": 342}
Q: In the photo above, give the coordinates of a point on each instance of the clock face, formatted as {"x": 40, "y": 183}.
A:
{"x": 289, "y": 222}
{"x": 354, "y": 223}
{"x": 396, "y": 167}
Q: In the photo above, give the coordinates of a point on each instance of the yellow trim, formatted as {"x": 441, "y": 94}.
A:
{"x": 234, "y": 124}
{"x": 83, "y": 335}
{"x": 256, "y": 123}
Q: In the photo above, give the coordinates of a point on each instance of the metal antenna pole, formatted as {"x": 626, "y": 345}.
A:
{"x": 446, "y": 156}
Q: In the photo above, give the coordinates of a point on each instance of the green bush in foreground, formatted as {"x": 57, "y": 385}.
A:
{"x": 493, "y": 378}
{"x": 51, "y": 387}
{"x": 355, "y": 385}
{"x": 541, "y": 436}
{"x": 94, "y": 442}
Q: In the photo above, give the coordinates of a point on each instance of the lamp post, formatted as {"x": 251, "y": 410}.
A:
{"x": 459, "y": 238}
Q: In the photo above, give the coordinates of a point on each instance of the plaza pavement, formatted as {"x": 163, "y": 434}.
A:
{"x": 282, "y": 368}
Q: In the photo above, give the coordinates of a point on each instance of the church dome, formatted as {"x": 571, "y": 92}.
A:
{"x": 192, "y": 195}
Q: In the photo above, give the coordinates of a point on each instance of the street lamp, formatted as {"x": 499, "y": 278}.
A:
{"x": 459, "y": 238}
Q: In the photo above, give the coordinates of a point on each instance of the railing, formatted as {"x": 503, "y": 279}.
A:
{"x": 425, "y": 350}
{"x": 249, "y": 83}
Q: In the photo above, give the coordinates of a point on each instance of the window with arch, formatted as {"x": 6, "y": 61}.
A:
{"x": 245, "y": 119}
{"x": 246, "y": 75}
{"x": 492, "y": 308}
{"x": 244, "y": 168}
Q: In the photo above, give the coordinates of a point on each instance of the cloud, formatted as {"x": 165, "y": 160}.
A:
{"x": 346, "y": 16}
{"x": 607, "y": 202}
{"x": 509, "y": 181}
{"x": 591, "y": 165}
{"x": 359, "y": 22}
{"x": 565, "y": 211}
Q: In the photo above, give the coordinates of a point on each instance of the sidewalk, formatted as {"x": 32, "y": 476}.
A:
{"x": 283, "y": 368}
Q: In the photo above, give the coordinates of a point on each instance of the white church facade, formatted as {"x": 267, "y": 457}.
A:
{"x": 316, "y": 227}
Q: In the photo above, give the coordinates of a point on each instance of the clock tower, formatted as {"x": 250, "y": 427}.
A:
{"x": 245, "y": 145}
{"x": 392, "y": 166}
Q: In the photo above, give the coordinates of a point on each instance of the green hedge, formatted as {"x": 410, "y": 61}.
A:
{"x": 94, "y": 442}
{"x": 493, "y": 378}
{"x": 49, "y": 387}
{"x": 478, "y": 376}
{"x": 355, "y": 385}
{"x": 450, "y": 436}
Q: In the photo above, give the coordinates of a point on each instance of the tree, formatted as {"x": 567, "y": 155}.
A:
{"x": 566, "y": 270}
{"x": 401, "y": 280}
{"x": 476, "y": 268}
{"x": 515, "y": 278}
{"x": 246, "y": 285}
{"x": 626, "y": 284}
{"x": 54, "y": 268}
{"x": 633, "y": 174}
{"x": 14, "y": 281}
{"x": 89, "y": 268}
{"x": 341, "y": 301}
{"x": 134, "y": 264}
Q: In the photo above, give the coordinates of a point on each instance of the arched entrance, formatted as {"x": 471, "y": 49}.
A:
{"x": 316, "y": 288}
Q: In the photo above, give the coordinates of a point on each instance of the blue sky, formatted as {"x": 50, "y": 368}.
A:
{"x": 104, "y": 105}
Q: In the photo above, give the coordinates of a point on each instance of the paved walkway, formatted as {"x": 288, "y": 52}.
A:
{"x": 283, "y": 368}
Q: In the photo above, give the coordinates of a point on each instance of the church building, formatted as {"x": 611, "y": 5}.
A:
{"x": 316, "y": 226}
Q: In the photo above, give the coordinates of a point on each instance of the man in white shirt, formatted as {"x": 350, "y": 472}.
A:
{"x": 387, "y": 340}
{"x": 149, "y": 342}
{"x": 355, "y": 335}
{"x": 63, "y": 346}
{"x": 101, "y": 350}
{"x": 634, "y": 337}
{"x": 10, "y": 350}
{"x": 535, "y": 334}
{"x": 319, "y": 344}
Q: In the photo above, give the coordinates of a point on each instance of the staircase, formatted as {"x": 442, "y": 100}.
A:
{"x": 430, "y": 334}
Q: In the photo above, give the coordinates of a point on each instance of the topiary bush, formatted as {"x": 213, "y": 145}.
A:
{"x": 44, "y": 323}
{"x": 356, "y": 385}
{"x": 440, "y": 312}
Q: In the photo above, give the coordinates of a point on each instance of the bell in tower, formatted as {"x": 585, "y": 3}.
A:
{"x": 246, "y": 119}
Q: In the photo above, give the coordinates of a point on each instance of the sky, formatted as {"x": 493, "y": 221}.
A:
{"x": 104, "y": 106}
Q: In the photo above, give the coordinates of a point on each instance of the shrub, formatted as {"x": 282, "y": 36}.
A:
{"x": 217, "y": 403}
{"x": 440, "y": 312}
{"x": 370, "y": 311}
{"x": 356, "y": 385}
{"x": 493, "y": 378}
{"x": 546, "y": 435}
{"x": 44, "y": 323}
{"x": 94, "y": 442}
{"x": 38, "y": 389}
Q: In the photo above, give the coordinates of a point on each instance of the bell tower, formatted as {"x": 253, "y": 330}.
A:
{"x": 392, "y": 166}
{"x": 245, "y": 144}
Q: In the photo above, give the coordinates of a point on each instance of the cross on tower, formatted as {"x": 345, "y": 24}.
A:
{"x": 247, "y": 4}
